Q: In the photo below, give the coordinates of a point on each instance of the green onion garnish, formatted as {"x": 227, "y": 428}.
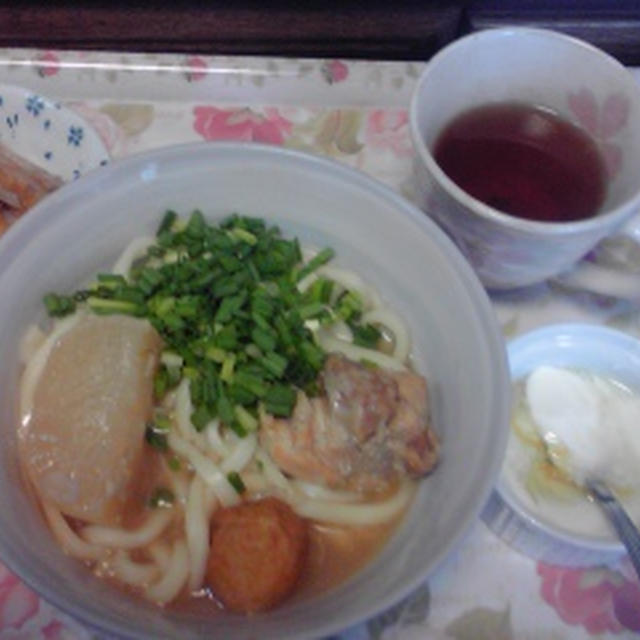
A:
{"x": 225, "y": 300}
{"x": 155, "y": 433}
{"x": 161, "y": 498}
{"x": 236, "y": 482}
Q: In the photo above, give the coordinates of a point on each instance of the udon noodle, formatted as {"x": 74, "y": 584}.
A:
{"x": 162, "y": 552}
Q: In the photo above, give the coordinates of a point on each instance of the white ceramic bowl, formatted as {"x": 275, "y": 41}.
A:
{"x": 583, "y": 537}
{"x": 456, "y": 344}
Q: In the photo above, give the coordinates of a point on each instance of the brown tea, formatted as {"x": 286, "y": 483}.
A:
{"x": 525, "y": 161}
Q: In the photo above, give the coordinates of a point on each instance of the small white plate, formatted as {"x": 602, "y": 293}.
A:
{"x": 48, "y": 134}
{"x": 574, "y": 533}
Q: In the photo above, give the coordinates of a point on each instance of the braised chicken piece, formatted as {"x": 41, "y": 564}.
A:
{"x": 368, "y": 429}
{"x": 257, "y": 553}
{"x": 83, "y": 441}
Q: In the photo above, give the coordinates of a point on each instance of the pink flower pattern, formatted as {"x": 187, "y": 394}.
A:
{"x": 598, "y": 599}
{"x": 388, "y": 129}
{"x": 246, "y": 125}
{"x": 23, "y": 616}
{"x": 48, "y": 64}
{"x": 197, "y": 69}
{"x": 17, "y": 602}
{"x": 335, "y": 71}
{"x": 602, "y": 122}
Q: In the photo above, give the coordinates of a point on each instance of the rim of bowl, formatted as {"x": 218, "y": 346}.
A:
{"x": 599, "y": 335}
{"x": 520, "y": 224}
{"x": 15, "y": 238}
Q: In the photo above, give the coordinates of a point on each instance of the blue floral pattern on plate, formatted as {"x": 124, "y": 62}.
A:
{"x": 48, "y": 134}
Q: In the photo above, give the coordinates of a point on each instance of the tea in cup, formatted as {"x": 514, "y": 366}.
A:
{"x": 527, "y": 150}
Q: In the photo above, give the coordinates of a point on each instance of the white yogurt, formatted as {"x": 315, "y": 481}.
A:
{"x": 590, "y": 424}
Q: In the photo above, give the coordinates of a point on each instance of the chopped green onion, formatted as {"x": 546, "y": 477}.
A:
{"x": 312, "y": 354}
{"x": 161, "y": 498}
{"x": 227, "y": 338}
{"x": 280, "y": 400}
{"x": 191, "y": 373}
{"x": 200, "y": 418}
{"x": 250, "y": 382}
{"x": 319, "y": 291}
{"x": 171, "y": 257}
{"x": 240, "y": 395}
{"x": 111, "y": 280}
{"x": 266, "y": 340}
{"x": 105, "y": 307}
{"x": 226, "y": 372}
{"x": 246, "y": 420}
{"x": 366, "y": 335}
{"x": 243, "y": 235}
{"x": 59, "y": 306}
{"x": 225, "y": 409}
{"x": 162, "y": 422}
{"x": 349, "y": 305}
{"x": 228, "y": 307}
{"x": 225, "y": 300}
{"x": 316, "y": 262}
{"x": 311, "y": 310}
{"x": 160, "y": 382}
{"x": 167, "y": 222}
{"x": 196, "y": 224}
{"x": 236, "y": 482}
{"x": 156, "y": 435}
{"x": 216, "y": 354}
{"x": 275, "y": 364}
{"x": 253, "y": 351}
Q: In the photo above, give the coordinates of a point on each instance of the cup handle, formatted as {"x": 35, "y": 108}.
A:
{"x": 613, "y": 267}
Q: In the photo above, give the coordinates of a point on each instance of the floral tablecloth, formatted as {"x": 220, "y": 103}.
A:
{"x": 355, "y": 112}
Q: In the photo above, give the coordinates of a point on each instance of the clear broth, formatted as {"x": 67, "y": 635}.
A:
{"x": 335, "y": 553}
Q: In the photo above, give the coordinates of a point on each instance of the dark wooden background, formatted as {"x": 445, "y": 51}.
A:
{"x": 404, "y": 29}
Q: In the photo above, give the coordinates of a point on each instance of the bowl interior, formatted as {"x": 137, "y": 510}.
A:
{"x": 598, "y": 349}
{"x": 456, "y": 345}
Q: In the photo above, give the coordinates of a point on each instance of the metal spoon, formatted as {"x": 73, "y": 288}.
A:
{"x": 625, "y": 528}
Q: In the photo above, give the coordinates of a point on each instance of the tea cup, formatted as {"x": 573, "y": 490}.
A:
{"x": 542, "y": 68}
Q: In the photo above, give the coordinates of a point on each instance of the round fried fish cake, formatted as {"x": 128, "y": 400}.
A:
{"x": 257, "y": 554}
